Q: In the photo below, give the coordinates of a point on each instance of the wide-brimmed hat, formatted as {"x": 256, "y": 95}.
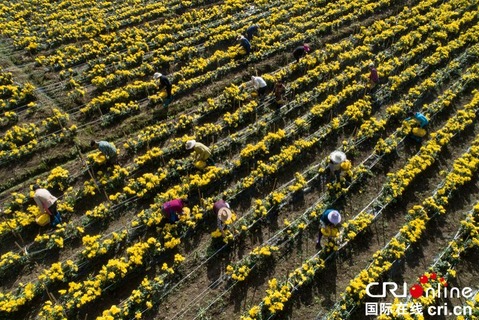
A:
{"x": 337, "y": 156}
{"x": 157, "y": 75}
{"x": 224, "y": 214}
{"x": 334, "y": 217}
{"x": 190, "y": 144}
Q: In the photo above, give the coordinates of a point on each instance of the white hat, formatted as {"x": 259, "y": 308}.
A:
{"x": 371, "y": 65}
{"x": 240, "y": 37}
{"x": 334, "y": 217}
{"x": 224, "y": 214}
{"x": 337, "y": 156}
{"x": 157, "y": 75}
{"x": 190, "y": 144}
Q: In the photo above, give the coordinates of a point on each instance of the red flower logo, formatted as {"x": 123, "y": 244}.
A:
{"x": 416, "y": 291}
{"x": 423, "y": 279}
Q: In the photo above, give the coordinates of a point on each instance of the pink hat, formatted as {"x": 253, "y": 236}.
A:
{"x": 334, "y": 217}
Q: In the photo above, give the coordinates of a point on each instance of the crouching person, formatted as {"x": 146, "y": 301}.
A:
{"x": 174, "y": 208}
{"x": 330, "y": 221}
{"x": 48, "y": 207}
{"x": 223, "y": 213}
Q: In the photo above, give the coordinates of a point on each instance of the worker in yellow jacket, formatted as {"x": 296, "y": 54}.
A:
{"x": 202, "y": 153}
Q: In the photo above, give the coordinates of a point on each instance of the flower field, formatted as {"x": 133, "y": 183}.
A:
{"x": 73, "y": 71}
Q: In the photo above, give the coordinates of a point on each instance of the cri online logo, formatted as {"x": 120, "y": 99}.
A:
{"x": 417, "y": 289}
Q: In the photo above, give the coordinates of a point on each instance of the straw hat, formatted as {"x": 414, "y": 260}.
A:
{"x": 190, "y": 144}
{"x": 224, "y": 214}
{"x": 337, "y": 156}
{"x": 334, "y": 217}
{"x": 157, "y": 75}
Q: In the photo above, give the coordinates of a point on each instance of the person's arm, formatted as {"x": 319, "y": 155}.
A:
{"x": 221, "y": 227}
{"x": 246, "y": 84}
{"x": 256, "y": 84}
{"x": 196, "y": 154}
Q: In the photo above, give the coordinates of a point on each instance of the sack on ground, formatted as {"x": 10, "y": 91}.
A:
{"x": 419, "y": 132}
{"x": 43, "y": 219}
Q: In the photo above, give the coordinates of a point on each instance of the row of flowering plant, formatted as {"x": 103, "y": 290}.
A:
{"x": 409, "y": 233}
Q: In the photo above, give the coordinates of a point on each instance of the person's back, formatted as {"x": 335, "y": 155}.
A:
{"x": 300, "y": 51}
{"x": 258, "y": 82}
{"x": 421, "y": 119}
{"x": 172, "y": 208}
{"x": 373, "y": 76}
{"x": 202, "y": 151}
{"x": 252, "y": 31}
{"x": 107, "y": 149}
{"x": 165, "y": 81}
{"x": 245, "y": 44}
{"x": 43, "y": 198}
{"x": 47, "y": 204}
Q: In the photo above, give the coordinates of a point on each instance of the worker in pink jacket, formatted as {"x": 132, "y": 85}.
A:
{"x": 47, "y": 204}
{"x": 173, "y": 209}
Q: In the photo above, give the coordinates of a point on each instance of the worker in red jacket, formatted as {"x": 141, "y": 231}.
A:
{"x": 373, "y": 76}
{"x": 301, "y": 51}
{"x": 173, "y": 209}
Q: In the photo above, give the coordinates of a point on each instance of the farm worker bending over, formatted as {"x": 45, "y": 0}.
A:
{"x": 174, "y": 208}
{"x": 279, "y": 90}
{"x": 245, "y": 44}
{"x": 108, "y": 150}
{"x": 259, "y": 84}
{"x": 164, "y": 82}
{"x": 338, "y": 165}
{"x": 202, "y": 153}
{"x": 373, "y": 76}
{"x": 222, "y": 210}
{"x": 329, "y": 220}
{"x": 252, "y": 31}
{"x": 48, "y": 207}
{"x": 301, "y": 51}
{"x": 418, "y": 133}
{"x": 420, "y": 119}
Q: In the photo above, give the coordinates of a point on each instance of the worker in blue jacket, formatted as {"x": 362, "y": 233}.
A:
{"x": 418, "y": 133}
{"x": 245, "y": 44}
{"x": 419, "y": 117}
